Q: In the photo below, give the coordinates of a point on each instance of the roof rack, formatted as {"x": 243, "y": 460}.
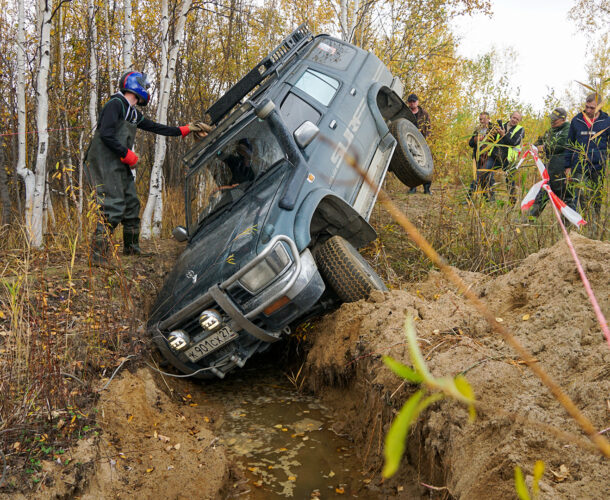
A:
{"x": 272, "y": 63}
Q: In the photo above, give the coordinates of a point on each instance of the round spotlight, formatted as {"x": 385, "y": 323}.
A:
{"x": 210, "y": 320}
{"x": 178, "y": 340}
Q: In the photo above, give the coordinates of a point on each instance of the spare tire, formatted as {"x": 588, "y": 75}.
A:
{"x": 412, "y": 161}
{"x": 346, "y": 271}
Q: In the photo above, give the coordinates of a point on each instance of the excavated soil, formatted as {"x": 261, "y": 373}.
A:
{"x": 543, "y": 303}
{"x": 154, "y": 442}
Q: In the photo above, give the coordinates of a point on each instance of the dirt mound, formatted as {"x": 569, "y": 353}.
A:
{"x": 148, "y": 444}
{"x": 544, "y": 304}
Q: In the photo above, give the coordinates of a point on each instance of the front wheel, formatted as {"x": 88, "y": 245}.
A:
{"x": 346, "y": 271}
{"x": 412, "y": 161}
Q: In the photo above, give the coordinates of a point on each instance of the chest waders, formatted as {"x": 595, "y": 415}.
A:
{"x": 115, "y": 193}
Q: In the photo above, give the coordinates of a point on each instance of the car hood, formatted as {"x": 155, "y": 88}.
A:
{"x": 220, "y": 248}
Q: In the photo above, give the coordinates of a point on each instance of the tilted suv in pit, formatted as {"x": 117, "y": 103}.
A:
{"x": 275, "y": 209}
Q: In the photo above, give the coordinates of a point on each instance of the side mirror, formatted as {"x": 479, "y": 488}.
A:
{"x": 306, "y": 133}
{"x": 180, "y": 233}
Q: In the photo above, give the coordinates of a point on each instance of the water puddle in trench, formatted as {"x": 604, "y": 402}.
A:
{"x": 284, "y": 440}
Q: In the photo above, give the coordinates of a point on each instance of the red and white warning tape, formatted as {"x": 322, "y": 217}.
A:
{"x": 560, "y": 208}
{"x": 572, "y": 215}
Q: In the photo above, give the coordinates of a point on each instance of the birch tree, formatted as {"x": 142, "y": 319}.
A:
{"x": 170, "y": 45}
{"x": 40, "y": 199}
{"x": 93, "y": 68}
{"x": 26, "y": 174}
{"x": 127, "y": 36}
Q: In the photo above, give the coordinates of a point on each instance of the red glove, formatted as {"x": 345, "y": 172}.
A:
{"x": 130, "y": 158}
{"x": 185, "y": 130}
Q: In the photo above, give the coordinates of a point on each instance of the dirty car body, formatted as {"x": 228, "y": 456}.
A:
{"x": 271, "y": 183}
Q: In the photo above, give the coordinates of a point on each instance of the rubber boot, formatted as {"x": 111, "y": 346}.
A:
{"x": 131, "y": 243}
{"x": 100, "y": 248}
{"x": 413, "y": 190}
{"x": 427, "y": 188}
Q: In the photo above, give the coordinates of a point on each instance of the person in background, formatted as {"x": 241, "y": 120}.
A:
{"x": 586, "y": 156}
{"x": 110, "y": 158}
{"x": 505, "y": 151}
{"x": 553, "y": 146}
{"x": 479, "y": 142}
{"x": 423, "y": 124}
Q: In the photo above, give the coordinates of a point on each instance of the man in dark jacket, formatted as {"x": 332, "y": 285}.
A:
{"x": 505, "y": 152}
{"x": 479, "y": 144}
{"x": 587, "y": 155}
{"x": 109, "y": 161}
{"x": 553, "y": 145}
{"x": 423, "y": 125}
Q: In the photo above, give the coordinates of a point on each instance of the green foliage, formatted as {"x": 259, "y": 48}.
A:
{"x": 457, "y": 388}
{"x": 520, "y": 486}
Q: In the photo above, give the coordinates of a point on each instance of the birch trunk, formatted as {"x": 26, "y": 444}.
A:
{"x": 5, "y": 199}
{"x": 152, "y": 219}
{"x": 26, "y": 174}
{"x": 348, "y": 18}
{"x": 45, "y": 10}
{"x": 66, "y": 172}
{"x": 92, "y": 66}
{"x": 109, "y": 59}
{"x": 127, "y": 36}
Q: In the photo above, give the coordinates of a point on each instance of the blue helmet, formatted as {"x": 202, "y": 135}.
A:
{"x": 136, "y": 83}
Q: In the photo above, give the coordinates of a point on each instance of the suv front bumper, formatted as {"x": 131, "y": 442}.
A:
{"x": 301, "y": 284}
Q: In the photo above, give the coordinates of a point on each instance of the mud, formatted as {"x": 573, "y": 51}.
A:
{"x": 543, "y": 303}
{"x": 162, "y": 438}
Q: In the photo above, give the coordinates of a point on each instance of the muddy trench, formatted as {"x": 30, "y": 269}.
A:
{"x": 266, "y": 432}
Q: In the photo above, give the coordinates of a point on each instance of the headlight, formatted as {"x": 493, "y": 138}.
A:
{"x": 266, "y": 271}
{"x": 210, "y": 320}
{"x": 178, "y": 340}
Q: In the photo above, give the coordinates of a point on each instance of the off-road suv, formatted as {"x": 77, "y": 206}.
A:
{"x": 275, "y": 209}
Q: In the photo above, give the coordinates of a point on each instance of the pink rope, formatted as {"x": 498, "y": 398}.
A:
{"x": 598, "y": 312}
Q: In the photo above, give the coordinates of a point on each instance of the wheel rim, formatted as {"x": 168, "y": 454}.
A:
{"x": 416, "y": 150}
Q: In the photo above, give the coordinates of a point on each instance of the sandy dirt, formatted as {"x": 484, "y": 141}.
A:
{"x": 153, "y": 442}
{"x": 543, "y": 303}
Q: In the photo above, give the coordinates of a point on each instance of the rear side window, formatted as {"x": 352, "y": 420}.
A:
{"x": 318, "y": 85}
{"x": 295, "y": 111}
{"x": 332, "y": 53}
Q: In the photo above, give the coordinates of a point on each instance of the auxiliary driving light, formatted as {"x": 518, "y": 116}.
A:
{"x": 210, "y": 320}
{"x": 178, "y": 340}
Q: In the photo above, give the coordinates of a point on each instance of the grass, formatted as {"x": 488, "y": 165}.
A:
{"x": 65, "y": 326}
{"x": 478, "y": 236}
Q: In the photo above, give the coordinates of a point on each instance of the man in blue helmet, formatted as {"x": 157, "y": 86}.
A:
{"x": 110, "y": 158}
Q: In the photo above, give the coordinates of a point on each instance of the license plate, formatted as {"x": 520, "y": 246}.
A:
{"x": 211, "y": 343}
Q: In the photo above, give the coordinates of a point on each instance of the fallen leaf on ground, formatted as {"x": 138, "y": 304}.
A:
{"x": 562, "y": 475}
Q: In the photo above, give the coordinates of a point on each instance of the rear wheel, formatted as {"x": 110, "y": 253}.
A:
{"x": 346, "y": 271}
{"x": 412, "y": 161}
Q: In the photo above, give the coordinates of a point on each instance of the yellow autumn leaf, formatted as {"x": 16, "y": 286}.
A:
{"x": 148, "y": 471}
{"x": 340, "y": 490}
{"x": 525, "y": 317}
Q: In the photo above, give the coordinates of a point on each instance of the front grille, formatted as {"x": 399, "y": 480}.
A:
{"x": 239, "y": 295}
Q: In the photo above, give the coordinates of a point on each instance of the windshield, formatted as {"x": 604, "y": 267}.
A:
{"x": 225, "y": 175}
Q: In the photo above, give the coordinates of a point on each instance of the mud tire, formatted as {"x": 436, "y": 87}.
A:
{"x": 412, "y": 160}
{"x": 346, "y": 271}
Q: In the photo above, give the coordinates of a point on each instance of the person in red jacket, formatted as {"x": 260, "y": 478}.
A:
{"x": 110, "y": 160}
